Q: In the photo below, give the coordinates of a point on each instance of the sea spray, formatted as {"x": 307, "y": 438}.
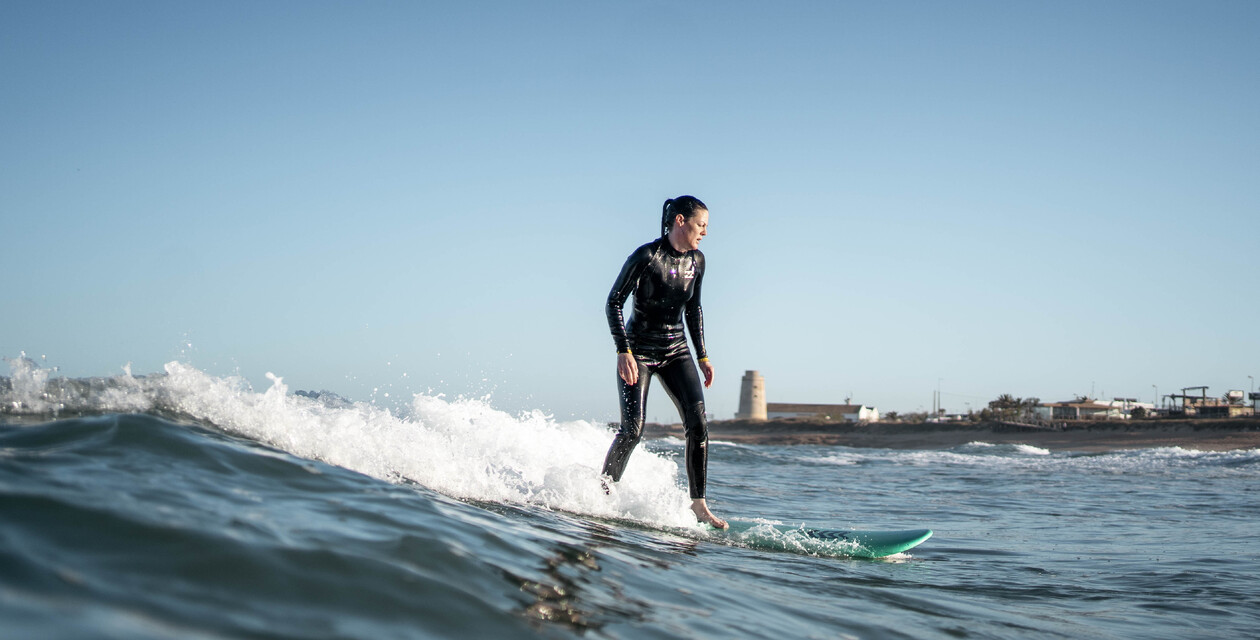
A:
{"x": 25, "y": 392}
{"x": 31, "y": 391}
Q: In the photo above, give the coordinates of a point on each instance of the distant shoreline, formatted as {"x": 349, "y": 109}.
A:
{"x": 1222, "y": 434}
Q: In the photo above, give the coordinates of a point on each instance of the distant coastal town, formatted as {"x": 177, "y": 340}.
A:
{"x": 1191, "y": 419}
{"x": 1192, "y": 402}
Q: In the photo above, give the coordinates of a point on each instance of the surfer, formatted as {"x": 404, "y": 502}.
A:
{"x": 664, "y": 276}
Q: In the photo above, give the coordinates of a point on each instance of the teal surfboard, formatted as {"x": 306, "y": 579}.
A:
{"x": 830, "y": 542}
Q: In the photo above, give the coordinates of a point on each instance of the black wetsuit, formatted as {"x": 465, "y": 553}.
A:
{"x": 666, "y": 288}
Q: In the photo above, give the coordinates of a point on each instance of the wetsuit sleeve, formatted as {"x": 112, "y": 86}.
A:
{"x": 693, "y": 314}
{"x": 621, "y": 290}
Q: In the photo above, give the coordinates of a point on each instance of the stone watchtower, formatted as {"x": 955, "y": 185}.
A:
{"x": 752, "y": 397}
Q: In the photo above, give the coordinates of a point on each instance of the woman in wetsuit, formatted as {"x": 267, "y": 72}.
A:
{"x": 664, "y": 275}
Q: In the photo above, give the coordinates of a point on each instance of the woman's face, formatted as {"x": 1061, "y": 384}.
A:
{"x": 689, "y": 231}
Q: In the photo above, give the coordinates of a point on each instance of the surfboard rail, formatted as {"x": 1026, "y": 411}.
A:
{"x": 832, "y": 542}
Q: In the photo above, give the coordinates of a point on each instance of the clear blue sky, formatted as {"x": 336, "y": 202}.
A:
{"x": 1040, "y": 199}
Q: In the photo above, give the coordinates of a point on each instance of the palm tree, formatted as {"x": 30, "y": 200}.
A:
{"x": 1029, "y": 408}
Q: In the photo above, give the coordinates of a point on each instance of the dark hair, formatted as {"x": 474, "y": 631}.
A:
{"x": 686, "y": 206}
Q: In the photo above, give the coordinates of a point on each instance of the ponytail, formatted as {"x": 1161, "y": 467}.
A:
{"x": 665, "y": 217}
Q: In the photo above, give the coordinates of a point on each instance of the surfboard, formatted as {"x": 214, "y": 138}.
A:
{"x": 832, "y": 542}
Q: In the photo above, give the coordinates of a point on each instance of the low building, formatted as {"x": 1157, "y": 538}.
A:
{"x": 1080, "y": 410}
{"x": 1223, "y": 410}
{"x": 1202, "y": 406}
{"x": 837, "y": 412}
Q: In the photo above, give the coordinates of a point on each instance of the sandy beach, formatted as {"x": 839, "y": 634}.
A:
{"x": 1084, "y": 436}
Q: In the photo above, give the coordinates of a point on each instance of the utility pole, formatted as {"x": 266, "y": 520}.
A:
{"x": 939, "y": 408}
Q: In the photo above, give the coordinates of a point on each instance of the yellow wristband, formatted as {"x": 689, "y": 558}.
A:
{"x": 704, "y": 359}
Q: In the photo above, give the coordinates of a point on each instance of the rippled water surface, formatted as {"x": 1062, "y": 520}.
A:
{"x": 184, "y": 505}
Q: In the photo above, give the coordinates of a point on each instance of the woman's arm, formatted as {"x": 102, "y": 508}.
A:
{"x": 694, "y": 315}
{"x": 621, "y": 290}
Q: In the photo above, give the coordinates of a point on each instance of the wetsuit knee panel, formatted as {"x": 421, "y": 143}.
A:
{"x": 631, "y": 432}
{"x": 694, "y": 421}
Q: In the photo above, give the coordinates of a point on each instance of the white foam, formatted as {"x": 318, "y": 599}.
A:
{"x": 1027, "y": 457}
{"x": 34, "y": 392}
{"x": 463, "y": 448}
{"x": 990, "y": 448}
{"x": 28, "y": 382}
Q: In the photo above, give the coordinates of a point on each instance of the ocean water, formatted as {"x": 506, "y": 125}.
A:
{"x": 184, "y": 505}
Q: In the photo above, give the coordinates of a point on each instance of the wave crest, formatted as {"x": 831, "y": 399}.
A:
{"x": 463, "y": 448}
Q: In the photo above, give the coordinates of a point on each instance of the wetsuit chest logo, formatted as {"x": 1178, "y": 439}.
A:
{"x": 688, "y": 273}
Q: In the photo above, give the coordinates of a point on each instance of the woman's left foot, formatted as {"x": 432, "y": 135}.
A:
{"x": 705, "y": 516}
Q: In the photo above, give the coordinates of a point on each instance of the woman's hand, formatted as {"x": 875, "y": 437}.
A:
{"x": 627, "y": 368}
{"x": 707, "y": 370}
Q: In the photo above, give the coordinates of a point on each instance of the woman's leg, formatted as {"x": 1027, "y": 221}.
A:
{"x": 681, "y": 382}
{"x": 683, "y": 386}
{"x": 633, "y": 404}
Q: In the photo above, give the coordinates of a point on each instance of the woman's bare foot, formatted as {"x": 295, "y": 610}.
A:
{"x": 701, "y": 509}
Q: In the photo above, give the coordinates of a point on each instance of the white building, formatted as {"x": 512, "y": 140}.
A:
{"x": 837, "y": 412}
{"x": 1090, "y": 409}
